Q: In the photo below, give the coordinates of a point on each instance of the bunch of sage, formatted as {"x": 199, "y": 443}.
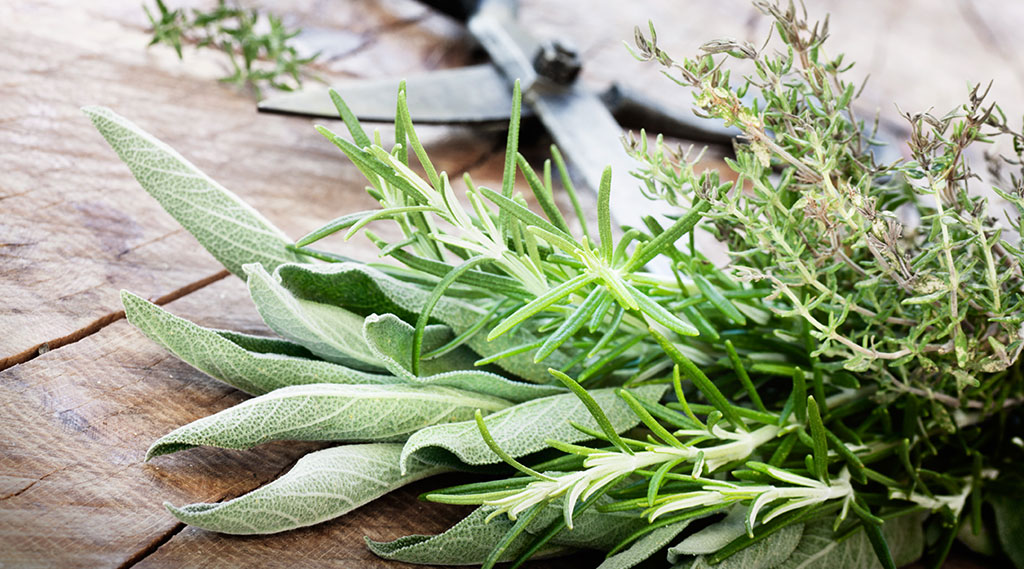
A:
{"x": 845, "y": 392}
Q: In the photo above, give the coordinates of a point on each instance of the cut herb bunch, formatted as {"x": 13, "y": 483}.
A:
{"x": 845, "y": 393}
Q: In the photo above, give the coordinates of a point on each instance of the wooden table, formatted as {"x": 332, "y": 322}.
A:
{"x": 83, "y": 393}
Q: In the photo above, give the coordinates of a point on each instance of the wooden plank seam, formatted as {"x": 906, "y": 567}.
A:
{"x": 153, "y": 547}
{"x": 103, "y": 322}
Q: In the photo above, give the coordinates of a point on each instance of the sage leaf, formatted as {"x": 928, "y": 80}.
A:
{"x": 490, "y": 384}
{"x": 230, "y": 229}
{"x": 819, "y": 550}
{"x": 321, "y": 486}
{"x": 331, "y": 332}
{"x": 390, "y": 339}
{"x": 816, "y": 548}
{"x": 468, "y": 542}
{"x": 356, "y": 287}
{"x": 714, "y": 537}
{"x": 328, "y": 412}
{"x": 253, "y": 364}
{"x": 771, "y": 552}
{"x": 264, "y": 344}
{"x": 365, "y": 290}
{"x": 985, "y": 542}
{"x": 524, "y": 428}
{"x": 645, "y": 547}
{"x": 591, "y": 529}
{"x": 1010, "y": 528}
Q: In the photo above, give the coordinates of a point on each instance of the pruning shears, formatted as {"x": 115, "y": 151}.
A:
{"x": 585, "y": 125}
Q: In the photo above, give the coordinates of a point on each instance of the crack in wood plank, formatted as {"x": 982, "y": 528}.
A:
{"x": 103, "y": 322}
{"x": 29, "y": 485}
{"x": 370, "y": 38}
{"x": 155, "y": 546}
{"x": 156, "y": 239}
{"x": 152, "y": 547}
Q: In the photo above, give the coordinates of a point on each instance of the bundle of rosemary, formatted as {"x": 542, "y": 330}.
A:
{"x": 844, "y": 393}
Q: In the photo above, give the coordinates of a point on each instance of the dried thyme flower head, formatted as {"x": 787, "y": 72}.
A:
{"x": 932, "y": 308}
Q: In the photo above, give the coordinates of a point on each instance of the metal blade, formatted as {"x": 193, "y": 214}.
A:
{"x": 581, "y": 122}
{"x": 464, "y": 95}
{"x": 590, "y": 139}
{"x": 483, "y": 97}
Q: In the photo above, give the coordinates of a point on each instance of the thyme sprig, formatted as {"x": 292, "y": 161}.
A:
{"x": 894, "y": 267}
{"x": 257, "y": 44}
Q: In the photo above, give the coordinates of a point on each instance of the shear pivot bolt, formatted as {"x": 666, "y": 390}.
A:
{"x": 557, "y": 61}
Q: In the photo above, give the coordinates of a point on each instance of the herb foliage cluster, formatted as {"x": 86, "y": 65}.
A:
{"x": 844, "y": 393}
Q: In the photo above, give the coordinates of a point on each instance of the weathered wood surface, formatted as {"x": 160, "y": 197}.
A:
{"x": 75, "y": 228}
{"x": 75, "y": 492}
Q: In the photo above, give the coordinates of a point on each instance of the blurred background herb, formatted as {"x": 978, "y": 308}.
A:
{"x": 258, "y": 44}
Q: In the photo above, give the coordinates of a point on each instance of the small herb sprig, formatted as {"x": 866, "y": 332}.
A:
{"x": 846, "y": 392}
{"x": 257, "y": 44}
